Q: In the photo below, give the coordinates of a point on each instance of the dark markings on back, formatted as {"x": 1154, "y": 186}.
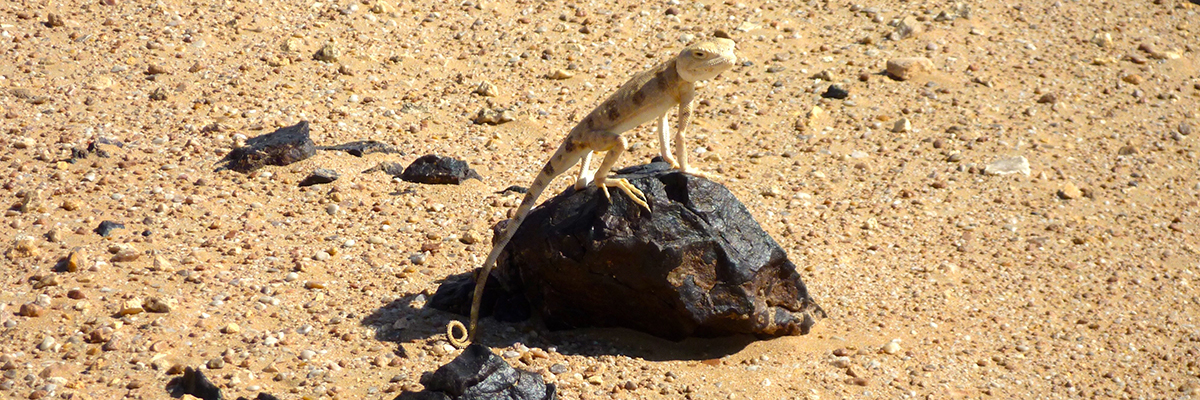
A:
{"x": 613, "y": 113}
{"x": 589, "y": 122}
{"x": 569, "y": 145}
{"x": 661, "y": 79}
{"x": 548, "y": 169}
{"x": 639, "y": 97}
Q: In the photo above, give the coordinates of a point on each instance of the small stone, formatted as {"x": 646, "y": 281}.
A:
{"x": 1048, "y": 98}
{"x": 125, "y": 252}
{"x": 1102, "y": 39}
{"x": 902, "y": 125}
{"x": 155, "y": 69}
{"x": 307, "y": 355}
{"x": 558, "y": 368}
{"x": 672, "y": 11}
{"x": 47, "y": 343}
{"x": 71, "y": 205}
{"x": 1127, "y": 150}
{"x": 332, "y": 209}
{"x": 560, "y": 74}
{"x": 1185, "y": 129}
{"x": 908, "y": 27}
{"x": 54, "y": 21}
{"x": 1069, "y": 192}
{"x": 216, "y": 363}
{"x": 903, "y": 69}
{"x": 161, "y": 264}
{"x": 321, "y": 256}
{"x": 1133, "y": 79}
{"x": 158, "y": 305}
{"x": 46, "y": 281}
{"x": 106, "y": 227}
{"x": 24, "y": 246}
{"x": 836, "y": 92}
{"x": 376, "y": 240}
{"x": 319, "y": 176}
{"x": 328, "y": 53}
{"x": 381, "y": 8}
{"x": 132, "y": 307}
{"x": 1011, "y": 165}
{"x": 76, "y": 294}
{"x": 470, "y": 237}
{"x": 314, "y": 285}
{"x": 891, "y": 347}
{"x": 24, "y": 143}
{"x": 231, "y": 328}
{"x": 486, "y": 89}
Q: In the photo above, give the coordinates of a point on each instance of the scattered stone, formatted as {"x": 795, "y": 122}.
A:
{"x": 908, "y": 27}
{"x": 132, "y": 307}
{"x": 216, "y": 363}
{"x": 891, "y": 347}
{"x": 231, "y": 328}
{"x": 328, "y": 53}
{"x": 124, "y": 253}
{"x": 155, "y": 69}
{"x": 493, "y": 116}
{"x": 106, "y": 227}
{"x": 24, "y": 246}
{"x": 1010, "y": 165}
{"x": 1133, "y": 79}
{"x": 158, "y": 305}
{"x": 31, "y": 310}
{"x": 194, "y": 383}
{"x": 363, "y": 147}
{"x": 1127, "y": 150}
{"x": 1185, "y": 129}
{"x": 486, "y": 89}
{"x": 54, "y": 21}
{"x": 560, "y": 74}
{"x": 71, "y": 205}
{"x": 24, "y": 143}
{"x": 1069, "y": 192}
{"x": 719, "y": 277}
{"x": 902, "y": 125}
{"x": 433, "y": 169}
{"x": 46, "y": 281}
{"x": 1102, "y": 39}
{"x": 160, "y": 263}
{"x": 307, "y": 355}
{"x": 320, "y": 176}
{"x": 479, "y": 374}
{"x": 812, "y": 121}
{"x": 903, "y": 69}
{"x": 836, "y": 92}
{"x": 33, "y": 202}
{"x": 1048, "y": 98}
{"x": 282, "y": 147}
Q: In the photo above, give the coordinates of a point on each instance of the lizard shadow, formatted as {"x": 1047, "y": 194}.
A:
{"x": 408, "y": 319}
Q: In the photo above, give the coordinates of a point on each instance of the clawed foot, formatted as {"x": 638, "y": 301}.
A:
{"x": 699, "y": 173}
{"x": 632, "y": 191}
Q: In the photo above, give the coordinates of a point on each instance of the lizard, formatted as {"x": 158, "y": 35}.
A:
{"x": 647, "y": 96}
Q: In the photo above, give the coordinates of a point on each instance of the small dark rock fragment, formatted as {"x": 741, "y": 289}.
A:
{"x": 261, "y": 396}
{"x": 437, "y": 170}
{"x": 479, "y": 374}
{"x": 514, "y": 189}
{"x": 54, "y": 21}
{"x": 282, "y": 147}
{"x": 836, "y": 92}
{"x": 363, "y": 147}
{"x": 107, "y": 227}
{"x": 320, "y": 176}
{"x": 194, "y": 382}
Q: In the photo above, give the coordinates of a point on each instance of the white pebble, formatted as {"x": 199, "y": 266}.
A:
{"x": 307, "y": 355}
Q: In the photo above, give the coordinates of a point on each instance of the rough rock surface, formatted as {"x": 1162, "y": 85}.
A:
{"x": 479, "y": 374}
{"x": 320, "y": 176}
{"x": 697, "y": 264}
{"x": 437, "y": 170}
{"x": 282, "y": 147}
{"x": 363, "y": 147}
{"x": 194, "y": 383}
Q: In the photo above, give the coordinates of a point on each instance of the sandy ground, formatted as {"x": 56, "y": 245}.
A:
{"x": 1077, "y": 280}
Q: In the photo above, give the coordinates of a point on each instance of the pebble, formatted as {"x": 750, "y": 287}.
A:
{"x": 216, "y": 363}
{"x": 902, "y": 125}
{"x": 892, "y": 347}
{"x": 307, "y": 355}
{"x": 1010, "y": 165}
{"x": 332, "y": 209}
{"x": 903, "y": 69}
{"x": 47, "y": 343}
{"x": 560, "y": 74}
{"x": 836, "y": 92}
{"x": 1069, "y": 192}
{"x": 321, "y": 256}
{"x": 376, "y": 240}
{"x": 328, "y": 53}
{"x": 231, "y": 328}
{"x": 486, "y": 89}
{"x": 1133, "y": 79}
{"x": 418, "y": 258}
{"x": 558, "y": 368}
{"x": 908, "y": 27}
{"x": 157, "y": 305}
{"x": 132, "y": 307}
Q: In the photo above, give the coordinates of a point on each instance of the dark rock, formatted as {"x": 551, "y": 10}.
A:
{"x": 193, "y": 382}
{"x": 391, "y": 168}
{"x": 320, "y": 176}
{"x": 107, "y": 227}
{"x": 698, "y": 264}
{"x": 437, "y": 170}
{"x": 836, "y": 92}
{"x": 479, "y": 374}
{"x": 261, "y": 396}
{"x": 282, "y": 147}
{"x": 514, "y": 189}
{"x": 363, "y": 147}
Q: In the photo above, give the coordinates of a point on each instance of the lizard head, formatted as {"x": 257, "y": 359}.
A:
{"x": 705, "y": 60}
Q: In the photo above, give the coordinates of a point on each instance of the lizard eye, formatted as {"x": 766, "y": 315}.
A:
{"x": 698, "y": 54}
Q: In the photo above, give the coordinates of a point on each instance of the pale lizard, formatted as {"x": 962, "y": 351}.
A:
{"x": 646, "y": 96}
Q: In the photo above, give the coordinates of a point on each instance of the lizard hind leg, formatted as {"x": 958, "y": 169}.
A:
{"x": 585, "y": 178}
{"x": 618, "y": 146}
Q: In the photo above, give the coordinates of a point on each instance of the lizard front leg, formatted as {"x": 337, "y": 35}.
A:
{"x": 686, "y": 107}
{"x": 664, "y": 141}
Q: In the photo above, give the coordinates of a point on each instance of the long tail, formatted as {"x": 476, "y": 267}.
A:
{"x": 563, "y": 159}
